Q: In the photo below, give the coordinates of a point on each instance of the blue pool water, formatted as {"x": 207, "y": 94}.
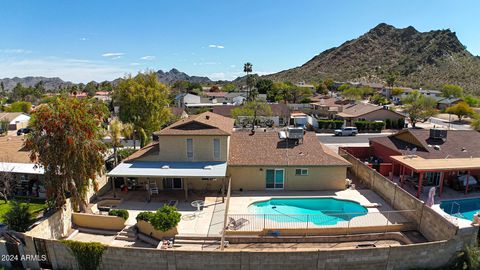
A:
{"x": 320, "y": 211}
{"x": 464, "y": 208}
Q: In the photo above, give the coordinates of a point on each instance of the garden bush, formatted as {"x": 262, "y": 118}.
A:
{"x": 163, "y": 219}
{"x": 88, "y": 255}
{"x": 330, "y": 124}
{"x": 18, "y": 218}
{"x": 401, "y": 123}
{"x": 367, "y": 125}
{"x": 388, "y": 124}
{"x": 119, "y": 213}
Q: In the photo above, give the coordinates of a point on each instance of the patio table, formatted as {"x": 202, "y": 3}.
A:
{"x": 198, "y": 204}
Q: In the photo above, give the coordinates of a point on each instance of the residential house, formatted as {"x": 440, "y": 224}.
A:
{"x": 444, "y": 103}
{"x": 202, "y": 152}
{"x": 103, "y": 96}
{"x": 16, "y": 120}
{"x": 280, "y": 113}
{"x": 427, "y": 158}
{"x": 184, "y": 99}
{"x": 327, "y": 107}
{"x": 367, "y": 112}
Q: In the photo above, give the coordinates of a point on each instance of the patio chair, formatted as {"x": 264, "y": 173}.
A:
{"x": 237, "y": 224}
{"x": 173, "y": 203}
{"x": 153, "y": 188}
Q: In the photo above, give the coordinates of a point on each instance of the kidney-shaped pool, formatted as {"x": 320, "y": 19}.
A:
{"x": 320, "y": 211}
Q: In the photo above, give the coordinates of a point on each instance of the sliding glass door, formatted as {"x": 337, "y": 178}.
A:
{"x": 274, "y": 178}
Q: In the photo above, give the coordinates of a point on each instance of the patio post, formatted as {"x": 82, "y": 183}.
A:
{"x": 420, "y": 180}
{"x": 185, "y": 186}
{"x": 468, "y": 181}
{"x": 113, "y": 187}
{"x": 442, "y": 178}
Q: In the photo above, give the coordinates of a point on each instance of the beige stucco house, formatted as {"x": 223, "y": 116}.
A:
{"x": 203, "y": 152}
{"x": 367, "y": 112}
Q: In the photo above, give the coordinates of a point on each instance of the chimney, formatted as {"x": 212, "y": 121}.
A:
{"x": 207, "y": 117}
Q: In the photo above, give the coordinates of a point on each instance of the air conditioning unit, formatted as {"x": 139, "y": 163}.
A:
{"x": 436, "y": 133}
{"x": 295, "y": 133}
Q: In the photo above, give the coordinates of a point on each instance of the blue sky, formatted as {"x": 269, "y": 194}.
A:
{"x": 98, "y": 40}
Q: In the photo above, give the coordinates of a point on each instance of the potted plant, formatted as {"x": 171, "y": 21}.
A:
{"x": 159, "y": 224}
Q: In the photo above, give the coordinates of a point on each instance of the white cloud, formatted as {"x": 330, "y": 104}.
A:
{"x": 233, "y": 66}
{"x": 147, "y": 57}
{"x": 75, "y": 70}
{"x": 110, "y": 54}
{"x": 83, "y": 39}
{"x": 15, "y": 51}
{"x": 216, "y": 46}
{"x": 134, "y": 64}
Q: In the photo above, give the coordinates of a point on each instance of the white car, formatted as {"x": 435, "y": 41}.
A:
{"x": 346, "y": 131}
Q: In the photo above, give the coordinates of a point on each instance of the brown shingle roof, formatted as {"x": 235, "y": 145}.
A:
{"x": 9, "y": 116}
{"x": 266, "y": 149}
{"x": 149, "y": 149}
{"x": 459, "y": 143}
{"x": 11, "y": 150}
{"x": 206, "y": 123}
{"x": 279, "y": 109}
{"x": 358, "y": 109}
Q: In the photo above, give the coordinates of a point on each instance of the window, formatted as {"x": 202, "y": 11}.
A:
{"x": 189, "y": 149}
{"x": 216, "y": 149}
{"x": 172, "y": 183}
{"x": 274, "y": 178}
{"x": 301, "y": 172}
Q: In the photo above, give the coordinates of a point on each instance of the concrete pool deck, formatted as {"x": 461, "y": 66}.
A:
{"x": 377, "y": 217}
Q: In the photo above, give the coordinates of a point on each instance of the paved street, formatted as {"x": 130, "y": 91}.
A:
{"x": 445, "y": 124}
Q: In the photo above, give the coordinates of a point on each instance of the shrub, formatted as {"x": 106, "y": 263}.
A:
{"x": 145, "y": 216}
{"x": 366, "y": 125}
{"x": 119, "y": 213}
{"x": 165, "y": 218}
{"x": 401, "y": 123}
{"x": 330, "y": 124}
{"x": 18, "y": 218}
{"x": 88, "y": 254}
{"x": 388, "y": 124}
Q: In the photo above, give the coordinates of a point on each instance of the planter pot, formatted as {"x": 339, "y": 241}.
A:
{"x": 147, "y": 229}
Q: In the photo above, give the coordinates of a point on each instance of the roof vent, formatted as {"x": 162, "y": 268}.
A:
{"x": 207, "y": 117}
{"x": 436, "y": 147}
{"x": 208, "y": 167}
{"x": 464, "y": 149}
{"x": 165, "y": 167}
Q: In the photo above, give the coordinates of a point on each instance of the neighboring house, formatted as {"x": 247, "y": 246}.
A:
{"x": 183, "y": 99}
{"x": 444, "y": 103}
{"x": 236, "y": 98}
{"x": 202, "y": 152}
{"x": 327, "y": 107}
{"x": 436, "y": 94}
{"x": 367, "y": 112}
{"x": 306, "y": 85}
{"x": 427, "y": 158}
{"x": 16, "y": 120}
{"x": 103, "y": 96}
{"x": 178, "y": 113}
{"x": 29, "y": 177}
{"x": 280, "y": 113}
{"x": 215, "y": 94}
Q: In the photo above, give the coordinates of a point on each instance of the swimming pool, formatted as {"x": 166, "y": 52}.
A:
{"x": 464, "y": 208}
{"x": 320, "y": 211}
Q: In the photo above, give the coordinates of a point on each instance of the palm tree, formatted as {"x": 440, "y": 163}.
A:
{"x": 247, "y": 68}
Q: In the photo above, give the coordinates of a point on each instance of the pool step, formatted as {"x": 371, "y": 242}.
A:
{"x": 127, "y": 234}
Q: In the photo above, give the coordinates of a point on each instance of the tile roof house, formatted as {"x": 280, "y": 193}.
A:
{"x": 16, "y": 120}
{"x": 367, "y": 112}
{"x": 204, "y": 152}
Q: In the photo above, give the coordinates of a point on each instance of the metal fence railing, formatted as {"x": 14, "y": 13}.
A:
{"x": 343, "y": 222}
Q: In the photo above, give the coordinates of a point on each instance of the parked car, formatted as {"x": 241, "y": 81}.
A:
{"x": 23, "y": 131}
{"x": 346, "y": 131}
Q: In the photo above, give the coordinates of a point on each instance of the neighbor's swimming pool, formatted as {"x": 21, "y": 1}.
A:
{"x": 320, "y": 211}
{"x": 464, "y": 208}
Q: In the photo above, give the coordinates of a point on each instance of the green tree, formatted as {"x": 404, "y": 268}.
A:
{"x": 461, "y": 110}
{"x": 248, "y": 68}
{"x": 143, "y": 101}
{"x": 264, "y": 86}
{"x": 343, "y": 87}
{"x": 321, "y": 88}
{"x": 391, "y": 80}
{"x": 451, "y": 90}
{"x": 379, "y": 99}
{"x": 471, "y": 100}
{"x": 352, "y": 93}
{"x": 475, "y": 124}
{"x": 298, "y": 93}
{"x": 215, "y": 88}
{"x": 252, "y": 109}
{"x": 397, "y": 91}
{"x": 330, "y": 84}
{"x": 229, "y": 87}
{"x": 66, "y": 140}
{"x": 91, "y": 88}
{"x": 20, "y": 106}
{"x": 419, "y": 107}
{"x": 115, "y": 131}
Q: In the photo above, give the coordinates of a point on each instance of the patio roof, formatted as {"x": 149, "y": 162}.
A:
{"x": 169, "y": 169}
{"x": 27, "y": 168}
{"x": 439, "y": 164}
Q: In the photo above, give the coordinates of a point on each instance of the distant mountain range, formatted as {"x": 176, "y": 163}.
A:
{"x": 52, "y": 84}
{"x": 415, "y": 59}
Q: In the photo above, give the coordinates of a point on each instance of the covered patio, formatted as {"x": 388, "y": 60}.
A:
{"x": 423, "y": 173}
{"x": 154, "y": 176}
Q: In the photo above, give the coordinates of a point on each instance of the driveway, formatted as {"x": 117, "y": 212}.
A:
{"x": 334, "y": 142}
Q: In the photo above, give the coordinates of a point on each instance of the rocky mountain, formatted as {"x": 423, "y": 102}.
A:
{"x": 48, "y": 83}
{"x": 416, "y": 59}
{"x": 52, "y": 84}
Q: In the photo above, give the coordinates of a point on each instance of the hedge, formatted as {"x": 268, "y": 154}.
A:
{"x": 119, "y": 213}
{"x": 366, "y": 125}
{"x": 330, "y": 124}
{"x": 163, "y": 219}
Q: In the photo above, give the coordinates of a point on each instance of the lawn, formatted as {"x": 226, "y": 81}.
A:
{"x": 34, "y": 206}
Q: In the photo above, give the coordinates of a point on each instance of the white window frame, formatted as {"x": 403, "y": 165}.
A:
{"x": 301, "y": 171}
{"x": 215, "y": 156}
{"x": 190, "y": 154}
{"x": 274, "y": 176}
